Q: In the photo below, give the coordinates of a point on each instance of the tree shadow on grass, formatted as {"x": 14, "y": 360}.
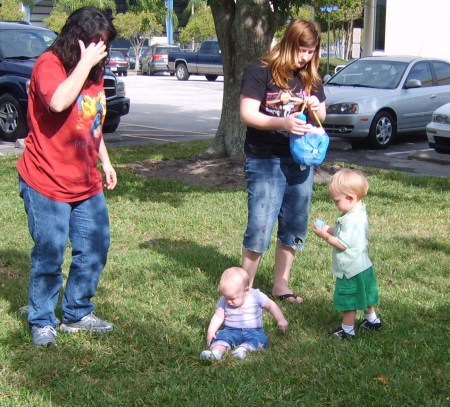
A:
{"x": 189, "y": 254}
{"x": 439, "y": 244}
{"x": 14, "y": 272}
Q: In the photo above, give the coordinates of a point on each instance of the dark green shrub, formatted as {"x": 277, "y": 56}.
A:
{"x": 333, "y": 63}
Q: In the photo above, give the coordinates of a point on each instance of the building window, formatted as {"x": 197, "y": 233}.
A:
{"x": 380, "y": 25}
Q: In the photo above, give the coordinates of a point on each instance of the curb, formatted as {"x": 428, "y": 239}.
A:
{"x": 430, "y": 156}
{"x": 19, "y": 144}
{"x": 113, "y": 137}
{"x": 339, "y": 145}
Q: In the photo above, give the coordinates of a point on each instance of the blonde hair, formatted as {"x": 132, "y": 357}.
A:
{"x": 283, "y": 56}
{"x": 236, "y": 275}
{"x": 347, "y": 181}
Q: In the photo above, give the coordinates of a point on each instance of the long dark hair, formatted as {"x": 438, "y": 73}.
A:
{"x": 87, "y": 24}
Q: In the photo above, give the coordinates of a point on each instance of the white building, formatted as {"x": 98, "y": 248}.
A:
{"x": 407, "y": 27}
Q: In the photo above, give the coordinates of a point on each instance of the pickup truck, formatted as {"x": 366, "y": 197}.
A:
{"x": 206, "y": 61}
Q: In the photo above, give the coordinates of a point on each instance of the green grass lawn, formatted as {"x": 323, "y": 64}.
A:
{"x": 170, "y": 244}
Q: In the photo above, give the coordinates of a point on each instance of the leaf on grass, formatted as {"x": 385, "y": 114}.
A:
{"x": 383, "y": 379}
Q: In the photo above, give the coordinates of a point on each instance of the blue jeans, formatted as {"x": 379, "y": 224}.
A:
{"x": 51, "y": 224}
{"x": 278, "y": 189}
{"x": 233, "y": 337}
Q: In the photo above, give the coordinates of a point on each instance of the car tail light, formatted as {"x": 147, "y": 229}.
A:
{"x": 158, "y": 56}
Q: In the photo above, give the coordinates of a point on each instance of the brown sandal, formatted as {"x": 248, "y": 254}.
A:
{"x": 292, "y": 295}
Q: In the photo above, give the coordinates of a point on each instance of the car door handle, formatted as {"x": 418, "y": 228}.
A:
{"x": 433, "y": 96}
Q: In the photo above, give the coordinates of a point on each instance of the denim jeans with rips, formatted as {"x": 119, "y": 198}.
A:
{"x": 278, "y": 190}
{"x": 51, "y": 225}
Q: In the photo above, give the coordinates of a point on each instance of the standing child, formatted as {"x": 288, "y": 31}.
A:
{"x": 279, "y": 190}
{"x": 356, "y": 284}
{"x": 239, "y": 309}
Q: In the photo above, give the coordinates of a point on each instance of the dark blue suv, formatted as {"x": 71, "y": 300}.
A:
{"x": 20, "y": 45}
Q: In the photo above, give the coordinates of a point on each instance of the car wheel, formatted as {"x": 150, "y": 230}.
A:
{"x": 110, "y": 128}
{"x": 182, "y": 72}
{"x": 382, "y": 130}
{"x": 211, "y": 78}
{"x": 13, "y": 124}
{"x": 125, "y": 73}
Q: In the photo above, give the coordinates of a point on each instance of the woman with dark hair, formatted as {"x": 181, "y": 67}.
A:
{"x": 59, "y": 182}
{"x": 273, "y": 91}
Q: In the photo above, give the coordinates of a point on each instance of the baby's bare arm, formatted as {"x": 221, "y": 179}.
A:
{"x": 214, "y": 325}
{"x": 276, "y": 312}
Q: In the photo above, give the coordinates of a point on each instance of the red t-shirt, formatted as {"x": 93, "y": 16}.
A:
{"x": 61, "y": 154}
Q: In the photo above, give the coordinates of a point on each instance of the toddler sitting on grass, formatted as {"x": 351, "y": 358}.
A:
{"x": 239, "y": 310}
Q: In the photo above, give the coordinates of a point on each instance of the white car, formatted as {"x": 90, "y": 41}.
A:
{"x": 373, "y": 98}
{"x": 438, "y": 130}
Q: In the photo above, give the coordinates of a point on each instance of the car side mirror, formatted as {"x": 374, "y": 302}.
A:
{"x": 326, "y": 78}
{"x": 413, "y": 83}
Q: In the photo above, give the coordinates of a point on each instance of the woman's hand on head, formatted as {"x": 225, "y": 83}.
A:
{"x": 93, "y": 53}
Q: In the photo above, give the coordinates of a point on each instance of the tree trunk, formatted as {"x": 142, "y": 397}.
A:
{"x": 245, "y": 29}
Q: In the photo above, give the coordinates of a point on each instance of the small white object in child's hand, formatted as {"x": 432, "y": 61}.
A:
{"x": 319, "y": 223}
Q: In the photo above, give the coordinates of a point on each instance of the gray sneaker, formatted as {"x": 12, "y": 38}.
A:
{"x": 211, "y": 355}
{"x": 89, "y": 323}
{"x": 43, "y": 336}
{"x": 240, "y": 352}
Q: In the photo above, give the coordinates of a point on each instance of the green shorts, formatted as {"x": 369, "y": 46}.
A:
{"x": 356, "y": 293}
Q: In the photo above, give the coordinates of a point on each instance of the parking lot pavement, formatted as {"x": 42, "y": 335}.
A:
{"x": 9, "y": 147}
{"x": 419, "y": 162}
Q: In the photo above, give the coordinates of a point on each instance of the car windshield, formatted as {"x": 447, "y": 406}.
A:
{"x": 380, "y": 74}
{"x": 25, "y": 43}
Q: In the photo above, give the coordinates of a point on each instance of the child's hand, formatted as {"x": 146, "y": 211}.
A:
{"x": 313, "y": 103}
{"x": 320, "y": 228}
{"x": 210, "y": 337}
{"x": 294, "y": 125}
{"x": 283, "y": 325}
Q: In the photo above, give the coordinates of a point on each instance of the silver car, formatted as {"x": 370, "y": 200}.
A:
{"x": 155, "y": 58}
{"x": 438, "y": 130}
{"x": 374, "y": 98}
